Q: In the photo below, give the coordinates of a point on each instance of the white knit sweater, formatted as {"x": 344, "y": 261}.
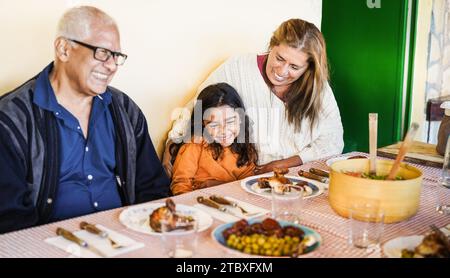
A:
{"x": 274, "y": 136}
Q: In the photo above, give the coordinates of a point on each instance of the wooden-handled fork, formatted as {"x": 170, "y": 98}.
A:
{"x": 91, "y": 228}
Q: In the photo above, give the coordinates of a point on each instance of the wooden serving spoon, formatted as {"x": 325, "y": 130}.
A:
{"x": 373, "y": 133}
{"x": 403, "y": 150}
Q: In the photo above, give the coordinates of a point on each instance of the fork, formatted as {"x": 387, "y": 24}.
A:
{"x": 103, "y": 234}
{"x": 225, "y": 201}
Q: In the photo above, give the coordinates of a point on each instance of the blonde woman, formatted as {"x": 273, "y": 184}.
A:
{"x": 292, "y": 108}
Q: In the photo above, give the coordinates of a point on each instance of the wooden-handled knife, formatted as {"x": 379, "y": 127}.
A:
{"x": 210, "y": 203}
{"x": 319, "y": 172}
{"x": 70, "y": 236}
{"x": 224, "y": 201}
{"x": 312, "y": 176}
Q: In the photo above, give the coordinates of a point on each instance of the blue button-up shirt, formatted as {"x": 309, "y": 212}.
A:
{"x": 86, "y": 176}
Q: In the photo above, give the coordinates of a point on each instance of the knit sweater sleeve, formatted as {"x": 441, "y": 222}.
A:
{"x": 329, "y": 129}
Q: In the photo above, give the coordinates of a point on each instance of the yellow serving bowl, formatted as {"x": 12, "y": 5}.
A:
{"x": 399, "y": 199}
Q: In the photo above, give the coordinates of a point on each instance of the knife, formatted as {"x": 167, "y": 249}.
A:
{"x": 312, "y": 176}
{"x": 93, "y": 229}
{"x": 70, "y": 236}
{"x": 212, "y": 204}
{"x": 225, "y": 201}
{"x": 319, "y": 172}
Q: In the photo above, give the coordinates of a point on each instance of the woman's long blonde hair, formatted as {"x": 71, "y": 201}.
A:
{"x": 304, "y": 96}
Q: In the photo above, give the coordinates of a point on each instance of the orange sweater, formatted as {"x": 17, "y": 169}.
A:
{"x": 195, "y": 164}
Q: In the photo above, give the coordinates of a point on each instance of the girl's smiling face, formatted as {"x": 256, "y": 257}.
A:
{"x": 222, "y": 124}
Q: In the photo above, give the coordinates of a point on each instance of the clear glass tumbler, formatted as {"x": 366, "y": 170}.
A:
{"x": 443, "y": 190}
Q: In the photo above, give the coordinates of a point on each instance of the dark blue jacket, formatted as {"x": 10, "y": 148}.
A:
{"x": 29, "y": 158}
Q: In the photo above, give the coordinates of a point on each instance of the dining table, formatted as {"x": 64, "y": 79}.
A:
{"x": 316, "y": 214}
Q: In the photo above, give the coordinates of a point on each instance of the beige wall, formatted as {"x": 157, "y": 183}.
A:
{"x": 420, "y": 68}
{"x": 172, "y": 45}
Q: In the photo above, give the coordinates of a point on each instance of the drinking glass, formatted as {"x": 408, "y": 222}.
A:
{"x": 443, "y": 188}
{"x": 179, "y": 241}
{"x": 287, "y": 202}
{"x": 366, "y": 224}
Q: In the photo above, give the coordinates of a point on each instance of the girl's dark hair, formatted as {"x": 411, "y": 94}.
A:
{"x": 215, "y": 96}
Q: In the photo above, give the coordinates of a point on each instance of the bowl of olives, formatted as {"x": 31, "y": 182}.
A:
{"x": 267, "y": 238}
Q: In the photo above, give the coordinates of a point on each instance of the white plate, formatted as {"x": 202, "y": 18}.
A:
{"x": 330, "y": 161}
{"x": 393, "y": 248}
{"x": 249, "y": 184}
{"x": 136, "y": 218}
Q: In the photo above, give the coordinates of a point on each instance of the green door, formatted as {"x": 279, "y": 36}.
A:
{"x": 366, "y": 45}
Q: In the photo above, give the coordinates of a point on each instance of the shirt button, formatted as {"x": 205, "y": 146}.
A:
{"x": 95, "y": 204}
{"x": 49, "y": 201}
{"x": 78, "y": 127}
{"x": 56, "y": 113}
{"x": 90, "y": 177}
{"x": 86, "y": 149}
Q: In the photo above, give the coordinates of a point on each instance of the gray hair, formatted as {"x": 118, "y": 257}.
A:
{"x": 76, "y": 23}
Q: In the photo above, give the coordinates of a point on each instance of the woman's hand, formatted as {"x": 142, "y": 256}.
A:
{"x": 261, "y": 169}
{"x": 282, "y": 163}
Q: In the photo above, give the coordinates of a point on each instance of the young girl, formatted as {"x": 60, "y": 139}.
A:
{"x": 218, "y": 148}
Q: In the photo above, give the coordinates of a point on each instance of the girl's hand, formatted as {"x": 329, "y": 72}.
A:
{"x": 207, "y": 183}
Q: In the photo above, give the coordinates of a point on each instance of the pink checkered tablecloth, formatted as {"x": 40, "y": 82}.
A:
{"x": 317, "y": 214}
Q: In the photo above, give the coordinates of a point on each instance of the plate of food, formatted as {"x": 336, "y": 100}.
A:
{"x": 330, "y": 161}
{"x": 268, "y": 238}
{"x": 394, "y": 247}
{"x": 262, "y": 185}
{"x": 146, "y": 218}
{"x": 433, "y": 245}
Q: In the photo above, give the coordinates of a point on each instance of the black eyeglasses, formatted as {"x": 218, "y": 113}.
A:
{"x": 103, "y": 54}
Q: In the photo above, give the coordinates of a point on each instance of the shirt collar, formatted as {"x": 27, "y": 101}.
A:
{"x": 45, "y": 98}
{"x": 105, "y": 98}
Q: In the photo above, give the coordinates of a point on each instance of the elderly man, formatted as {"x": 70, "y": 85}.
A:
{"x": 70, "y": 144}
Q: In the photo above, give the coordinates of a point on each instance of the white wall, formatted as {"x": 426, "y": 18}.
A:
{"x": 172, "y": 45}
{"x": 431, "y": 64}
{"x": 421, "y": 69}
